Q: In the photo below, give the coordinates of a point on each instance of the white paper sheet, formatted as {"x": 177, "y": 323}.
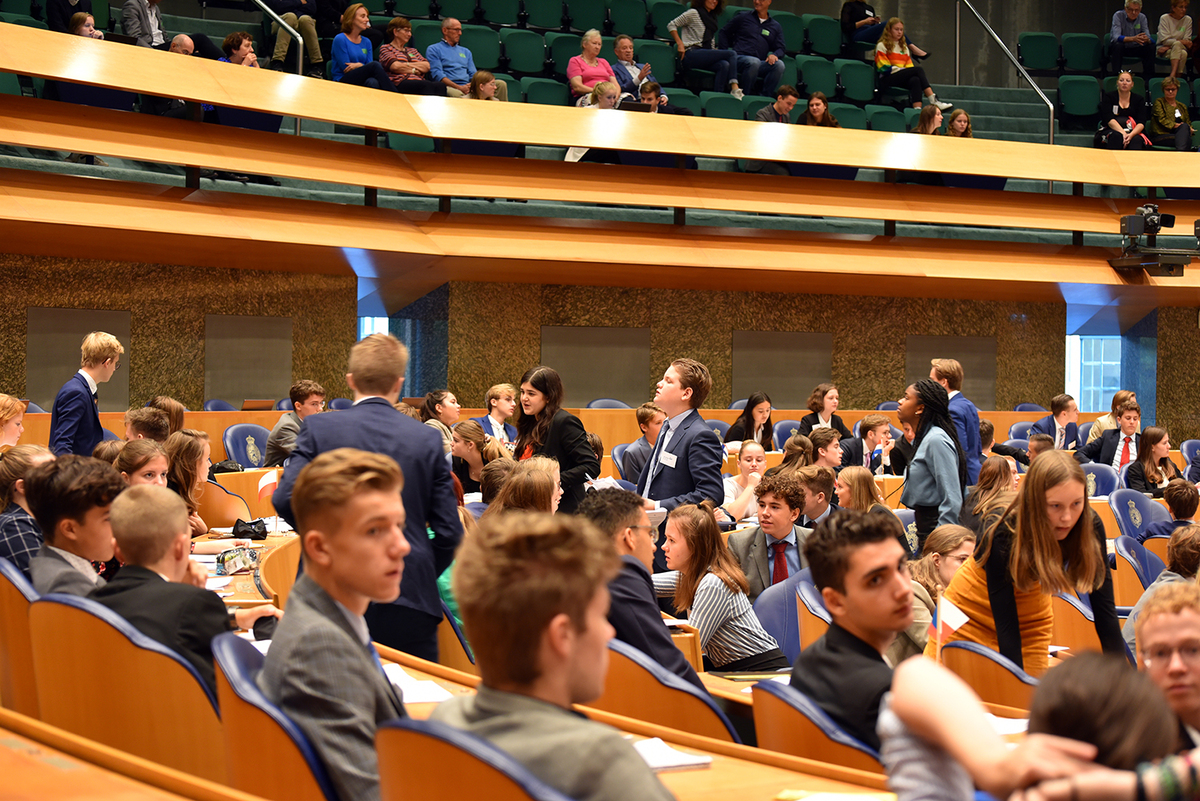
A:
{"x": 660, "y": 756}
{"x": 415, "y": 691}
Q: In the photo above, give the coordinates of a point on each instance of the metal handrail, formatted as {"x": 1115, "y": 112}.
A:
{"x": 957, "y": 50}
{"x": 295, "y": 35}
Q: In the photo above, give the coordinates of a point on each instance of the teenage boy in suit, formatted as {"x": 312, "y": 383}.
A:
{"x": 1062, "y": 423}
{"x": 153, "y": 589}
{"x": 634, "y": 612}
{"x": 377, "y": 365}
{"x": 773, "y": 550}
{"x": 75, "y": 417}
{"x": 533, "y": 593}
{"x": 70, "y": 499}
{"x": 861, "y": 571}
{"x": 650, "y": 420}
{"x": 1118, "y": 446}
{"x": 875, "y": 430}
{"x": 322, "y": 669}
{"x": 685, "y": 465}
{"x": 501, "y": 402}
{"x": 949, "y": 373}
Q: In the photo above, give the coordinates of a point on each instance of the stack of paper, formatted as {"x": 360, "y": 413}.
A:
{"x": 415, "y": 691}
{"x": 662, "y": 757}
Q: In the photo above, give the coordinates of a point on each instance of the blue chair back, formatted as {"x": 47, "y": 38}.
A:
{"x": 1084, "y": 430}
{"x": 466, "y": 766}
{"x": 618, "y": 457}
{"x": 1030, "y": 407}
{"x": 1101, "y": 479}
{"x": 1146, "y": 564}
{"x": 777, "y": 735}
{"x": 740, "y": 403}
{"x": 1012, "y": 686}
{"x": 1023, "y": 444}
{"x": 888, "y": 406}
{"x": 218, "y": 405}
{"x": 719, "y": 427}
{"x": 340, "y": 403}
{"x": 775, "y": 609}
{"x": 18, "y": 679}
{"x": 1188, "y": 447}
{"x": 250, "y": 715}
{"x": 660, "y": 695}
{"x": 1020, "y": 430}
{"x": 783, "y": 432}
{"x": 462, "y": 640}
{"x": 1121, "y": 476}
{"x": 908, "y": 521}
{"x": 246, "y": 444}
{"x": 813, "y": 617}
{"x": 608, "y": 403}
{"x": 109, "y": 436}
{"x": 33, "y": 408}
{"x": 1134, "y": 511}
{"x": 284, "y": 405}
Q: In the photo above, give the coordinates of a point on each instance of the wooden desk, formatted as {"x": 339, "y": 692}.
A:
{"x": 245, "y": 586}
{"x": 41, "y": 762}
{"x": 245, "y": 484}
{"x": 727, "y": 690}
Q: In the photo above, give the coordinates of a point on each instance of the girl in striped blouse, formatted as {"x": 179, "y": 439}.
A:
{"x": 896, "y": 68}
{"x": 707, "y": 583}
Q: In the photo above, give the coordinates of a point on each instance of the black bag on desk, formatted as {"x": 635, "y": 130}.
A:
{"x": 254, "y": 530}
{"x": 226, "y": 466}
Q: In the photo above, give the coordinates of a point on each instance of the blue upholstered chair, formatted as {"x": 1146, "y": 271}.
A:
{"x": 995, "y": 678}
{"x": 719, "y": 427}
{"x": 339, "y": 404}
{"x": 908, "y": 521}
{"x": 775, "y": 609}
{"x": 467, "y": 766}
{"x": 1188, "y": 448}
{"x": 1084, "y": 430}
{"x": 888, "y": 406}
{"x": 740, "y": 403}
{"x": 18, "y": 681}
{"x": 1101, "y": 479}
{"x": 1146, "y": 564}
{"x": 1134, "y": 511}
{"x": 813, "y": 617}
{"x": 1030, "y": 407}
{"x": 608, "y": 403}
{"x": 1020, "y": 430}
{"x": 246, "y": 444}
{"x": 33, "y": 408}
{"x": 618, "y": 457}
{"x": 218, "y": 405}
{"x": 249, "y": 716}
{"x": 284, "y": 405}
{"x": 788, "y": 721}
{"x": 783, "y": 432}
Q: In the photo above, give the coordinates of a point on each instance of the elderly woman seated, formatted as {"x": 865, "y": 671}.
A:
{"x": 587, "y": 69}
{"x": 1170, "y": 125}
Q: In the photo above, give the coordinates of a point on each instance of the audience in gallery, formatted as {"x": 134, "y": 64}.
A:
{"x": 1182, "y": 498}
{"x": 238, "y": 48}
{"x": 1047, "y": 541}
{"x": 605, "y": 96}
{"x": 757, "y": 38}
{"x": 452, "y": 65}
{"x": 1182, "y": 564}
{"x": 695, "y": 35}
{"x": 739, "y": 503}
{"x": 142, "y": 19}
{"x": 633, "y": 611}
{"x": 937, "y": 473}
{"x": 652, "y": 95}
{"x": 860, "y": 23}
{"x": 20, "y": 535}
{"x": 822, "y": 405}
{"x": 60, "y": 14}
{"x": 779, "y": 111}
{"x": 993, "y": 492}
{"x": 405, "y": 66}
{"x": 1129, "y": 37}
{"x": 1175, "y": 41}
{"x": 703, "y": 579}
{"x": 1170, "y": 124}
{"x": 483, "y": 86}
{"x": 351, "y": 61}
{"x": 946, "y": 549}
{"x": 817, "y": 112}
{"x": 1153, "y": 469}
{"x": 773, "y": 550}
{"x": 84, "y": 24}
{"x": 587, "y": 69}
{"x": 959, "y": 124}
{"x": 299, "y": 14}
{"x": 544, "y": 428}
{"x": 441, "y": 411}
{"x": 1123, "y": 117}
{"x": 754, "y": 423}
{"x": 896, "y": 68}
{"x": 471, "y": 450}
{"x": 929, "y": 121}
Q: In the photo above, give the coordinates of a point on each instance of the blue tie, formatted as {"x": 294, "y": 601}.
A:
{"x": 653, "y": 465}
{"x": 379, "y": 664}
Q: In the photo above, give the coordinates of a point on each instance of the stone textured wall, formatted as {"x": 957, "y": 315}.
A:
{"x": 168, "y": 305}
{"x": 1178, "y": 407}
{"x": 492, "y": 341}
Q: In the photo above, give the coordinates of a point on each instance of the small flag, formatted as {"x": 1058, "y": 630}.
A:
{"x": 267, "y": 484}
{"x": 949, "y": 619}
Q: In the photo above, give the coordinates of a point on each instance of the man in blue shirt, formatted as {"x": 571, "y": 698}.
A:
{"x": 758, "y": 41}
{"x": 1130, "y": 37}
{"x": 452, "y": 64}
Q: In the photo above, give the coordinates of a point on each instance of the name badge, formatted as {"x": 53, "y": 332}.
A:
{"x": 765, "y": 32}
{"x": 462, "y": 55}
{"x": 667, "y": 459}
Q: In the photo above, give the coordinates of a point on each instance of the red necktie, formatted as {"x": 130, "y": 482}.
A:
{"x": 1125, "y": 453}
{"x": 780, "y": 571}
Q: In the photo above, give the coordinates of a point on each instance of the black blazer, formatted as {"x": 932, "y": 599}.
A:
{"x": 852, "y": 453}
{"x": 1135, "y": 476}
{"x": 808, "y": 421}
{"x": 847, "y": 678}
{"x": 737, "y": 433}
{"x": 902, "y": 452}
{"x": 635, "y": 615}
{"x": 1103, "y": 449}
{"x": 566, "y": 441}
{"x": 428, "y": 495}
{"x": 182, "y": 617}
{"x": 1137, "y": 109}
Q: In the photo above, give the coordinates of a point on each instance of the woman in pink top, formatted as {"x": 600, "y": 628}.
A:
{"x": 408, "y": 69}
{"x": 588, "y": 69}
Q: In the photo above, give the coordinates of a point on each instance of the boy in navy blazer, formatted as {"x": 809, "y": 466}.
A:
{"x": 1061, "y": 423}
{"x": 949, "y": 373}
{"x": 75, "y": 416}
{"x": 685, "y": 466}
{"x": 373, "y": 424}
{"x": 501, "y": 402}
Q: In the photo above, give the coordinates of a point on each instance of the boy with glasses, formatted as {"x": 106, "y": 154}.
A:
{"x": 308, "y": 397}
{"x": 1168, "y": 640}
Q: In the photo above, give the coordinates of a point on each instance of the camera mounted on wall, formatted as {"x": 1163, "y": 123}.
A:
{"x": 1148, "y": 222}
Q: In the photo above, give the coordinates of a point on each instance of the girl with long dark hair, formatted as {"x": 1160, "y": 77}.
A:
{"x": 545, "y": 428}
{"x": 937, "y": 473}
{"x": 754, "y": 422}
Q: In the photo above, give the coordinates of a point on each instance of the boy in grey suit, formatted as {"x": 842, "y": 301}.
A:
{"x": 533, "y": 593}
{"x": 70, "y": 498}
{"x": 774, "y": 549}
{"x": 322, "y": 669}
